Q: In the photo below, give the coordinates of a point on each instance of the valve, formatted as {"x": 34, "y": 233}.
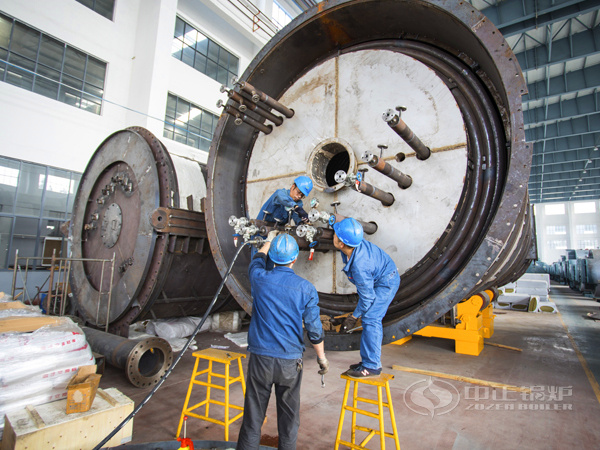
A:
{"x": 307, "y": 232}
{"x": 245, "y": 229}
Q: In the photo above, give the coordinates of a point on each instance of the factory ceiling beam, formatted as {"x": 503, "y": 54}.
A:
{"x": 590, "y": 140}
{"x": 514, "y": 17}
{"x": 567, "y": 83}
{"x": 564, "y": 156}
{"x": 580, "y": 126}
{"x": 564, "y": 109}
{"x": 576, "y": 46}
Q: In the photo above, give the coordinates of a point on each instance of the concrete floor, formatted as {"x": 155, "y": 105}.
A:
{"x": 436, "y": 413}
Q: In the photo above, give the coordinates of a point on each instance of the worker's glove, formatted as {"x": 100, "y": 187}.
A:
{"x": 303, "y": 214}
{"x": 348, "y": 324}
{"x": 323, "y": 365}
{"x": 272, "y": 234}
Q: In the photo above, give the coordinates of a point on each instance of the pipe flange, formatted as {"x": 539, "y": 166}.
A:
{"x": 148, "y": 361}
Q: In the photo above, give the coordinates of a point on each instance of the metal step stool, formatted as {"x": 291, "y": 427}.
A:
{"x": 217, "y": 356}
{"x": 383, "y": 380}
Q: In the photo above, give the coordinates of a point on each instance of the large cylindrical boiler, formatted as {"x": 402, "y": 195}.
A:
{"x": 432, "y": 89}
{"x": 142, "y": 205}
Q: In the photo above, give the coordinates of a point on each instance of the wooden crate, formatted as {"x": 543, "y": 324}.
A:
{"x": 48, "y": 426}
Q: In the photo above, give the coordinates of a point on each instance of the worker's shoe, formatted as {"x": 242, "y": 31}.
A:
{"x": 363, "y": 372}
{"x": 355, "y": 366}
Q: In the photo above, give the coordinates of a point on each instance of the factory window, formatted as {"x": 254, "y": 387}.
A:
{"x": 103, "y": 7}
{"x": 188, "y": 123}
{"x": 203, "y": 54}
{"x": 584, "y": 208}
{"x": 556, "y": 244}
{"x": 35, "y": 200}
{"x": 39, "y": 63}
{"x": 556, "y": 229}
{"x": 280, "y": 16}
{"x": 587, "y": 243}
{"x": 586, "y": 229}
{"x": 554, "y": 209}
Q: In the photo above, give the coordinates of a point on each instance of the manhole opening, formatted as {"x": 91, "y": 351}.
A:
{"x": 328, "y": 158}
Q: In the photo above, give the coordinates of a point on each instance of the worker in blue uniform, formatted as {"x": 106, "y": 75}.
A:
{"x": 283, "y": 201}
{"x": 376, "y": 278}
{"x": 282, "y": 301}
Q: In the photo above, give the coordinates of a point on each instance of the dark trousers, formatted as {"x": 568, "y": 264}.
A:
{"x": 263, "y": 372}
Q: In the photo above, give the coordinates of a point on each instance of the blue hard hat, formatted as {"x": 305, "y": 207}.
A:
{"x": 284, "y": 249}
{"x": 349, "y": 231}
{"x": 304, "y": 183}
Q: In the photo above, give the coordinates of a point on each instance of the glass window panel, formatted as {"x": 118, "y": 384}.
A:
{"x": 24, "y": 238}
{"x": 171, "y": 105}
{"x": 200, "y": 63}
{"x": 584, "y": 208}
{"x": 72, "y": 82}
{"x": 90, "y": 103}
{"x": 88, "y": 3}
{"x": 207, "y": 120}
{"x": 51, "y": 52}
{"x": 69, "y": 96}
{"x": 5, "y": 230}
{"x": 188, "y": 55}
{"x": 9, "y": 179}
{"x": 179, "y": 136}
{"x": 204, "y": 144}
{"x": 46, "y": 87}
{"x": 105, "y": 8}
{"x": 553, "y": 209}
{"x": 75, "y": 178}
{"x": 183, "y": 111}
{"x": 3, "y": 57}
{"x": 211, "y": 69}
{"x": 191, "y": 36}
{"x": 202, "y": 44}
{"x": 58, "y": 189}
{"x": 168, "y": 133}
{"x": 177, "y": 49}
{"x": 30, "y": 189}
{"x": 195, "y": 117}
{"x": 74, "y": 62}
{"x": 179, "y": 28}
{"x": 5, "y": 27}
{"x": 95, "y": 72}
{"x": 224, "y": 58}
{"x": 17, "y": 76}
{"x": 213, "y": 51}
{"x": 234, "y": 63}
{"x": 222, "y": 75}
{"x": 96, "y": 93}
{"x": 25, "y": 41}
{"x": 192, "y": 141}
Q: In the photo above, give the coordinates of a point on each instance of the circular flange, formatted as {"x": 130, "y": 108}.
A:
{"x": 137, "y": 156}
{"x": 148, "y": 361}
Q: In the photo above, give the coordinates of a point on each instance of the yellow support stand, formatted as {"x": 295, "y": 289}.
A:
{"x": 218, "y": 356}
{"x": 383, "y": 380}
{"x": 475, "y": 325}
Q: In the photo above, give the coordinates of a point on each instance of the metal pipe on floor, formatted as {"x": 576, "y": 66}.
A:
{"x": 145, "y": 361}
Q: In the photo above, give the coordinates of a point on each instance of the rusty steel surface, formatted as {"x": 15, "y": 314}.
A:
{"x": 484, "y": 240}
{"x": 127, "y": 205}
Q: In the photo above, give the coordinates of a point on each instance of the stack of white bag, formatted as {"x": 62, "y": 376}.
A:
{"x": 36, "y": 367}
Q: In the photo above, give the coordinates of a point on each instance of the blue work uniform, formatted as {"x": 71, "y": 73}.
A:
{"x": 376, "y": 278}
{"x": 276, "y": 205}
{"x": 282, "y": 300}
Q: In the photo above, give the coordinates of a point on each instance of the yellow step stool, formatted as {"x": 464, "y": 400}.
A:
{"x": 383, "y": 380}
{"x": 217, "y": 356}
